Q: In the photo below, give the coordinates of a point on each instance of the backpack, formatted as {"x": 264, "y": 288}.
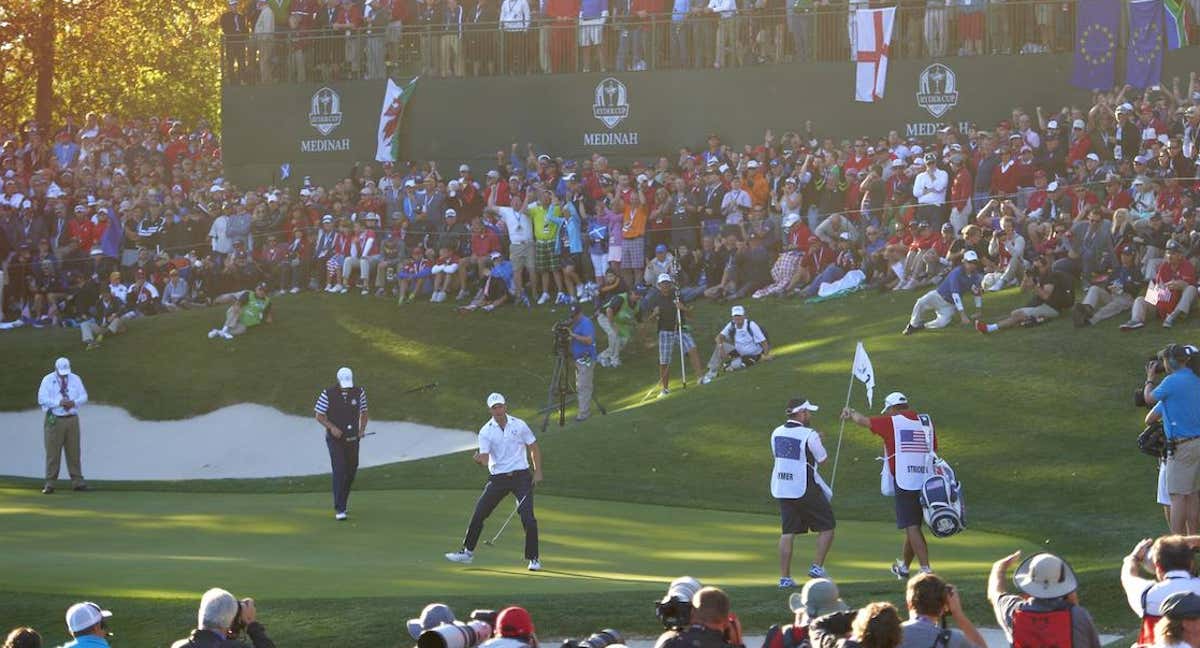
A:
{"x": 766, "y": 336}
{"x": 942, "y": 501}
{"x": 786, "y": 637}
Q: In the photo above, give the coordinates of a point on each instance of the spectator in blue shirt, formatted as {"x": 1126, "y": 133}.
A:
{"x": 583, "y": 350}
{"x": 947, "y": 297}
{"x": 1178, "y": 396}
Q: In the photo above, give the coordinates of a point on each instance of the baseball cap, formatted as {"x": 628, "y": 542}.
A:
{"x": 450, "y": 213}
{"x": 1052, "y": 124}
{"x": 493, "y": 173}
{"x": 895, "y": 398}
{"x": 971, "y": 255}
{"x": 1045, "y": 576}
{"x": 737, "y": 310}
{"x": 514, "y": 622}
{"x": 1181, "y": 605}
{"x": 1053, "y": 186}
{"x": 576, "y": 309}
{"x": 752, "y": 164}
{"x": 345, "y": 377}
{"x": 434, "y": 615}
{"x": 660, "y": 248}
{"x": 1093, "y": 157}
{"x": 84, "y": 615}
{"x": 664, "y": 278}
{"x": 819, "y": 597}
{"x": 327, "y": 218}
{"x": 62, "y": 366}
{"x": 1078, "y": 123}
{"x": 494, "y": 399}
{"x": 463, "y": 168}
{"x": 495, "y": 255}
{"x": 799, "y": 404}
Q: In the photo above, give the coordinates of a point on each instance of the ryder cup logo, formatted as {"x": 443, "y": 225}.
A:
{"x": 612, "y": 102}
{"x": 325, "y": 113}
{"x": 937, "y": 89}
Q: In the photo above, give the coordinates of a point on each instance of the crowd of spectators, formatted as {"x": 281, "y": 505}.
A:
{"x": 298, "y": 40}
{"x": 1158, "y": 577}
{"x": 104, "y": 221}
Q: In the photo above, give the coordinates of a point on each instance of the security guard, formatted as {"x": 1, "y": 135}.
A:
{"x": 506, "y": 446}
{"x": 342, "y": 411}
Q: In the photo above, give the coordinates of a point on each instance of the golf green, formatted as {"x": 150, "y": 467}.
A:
{"x": 166, "y": 545}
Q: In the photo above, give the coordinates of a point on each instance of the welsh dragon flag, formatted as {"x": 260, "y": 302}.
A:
{"x": 874, "y": 27}
{"x": 395, "y": 100}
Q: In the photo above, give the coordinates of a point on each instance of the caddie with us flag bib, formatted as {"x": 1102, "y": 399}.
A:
{"x": 909, "y": 446}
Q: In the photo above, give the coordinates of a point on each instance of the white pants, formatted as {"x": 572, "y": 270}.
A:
{"x": 612, "y": 354}
{"x": 599, "y": 265}
{"x": 364, "y": 265}
{"x": 932, "y": 301}
{"x": 959, "y": 217}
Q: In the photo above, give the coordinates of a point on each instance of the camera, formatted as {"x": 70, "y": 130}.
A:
{"x": 460, "y": 635}
{"x": 675, "y": 609}
{"x": 562, "y": 337}
{"x": 602, "y": 639}
{"x": 1156, "y": 361}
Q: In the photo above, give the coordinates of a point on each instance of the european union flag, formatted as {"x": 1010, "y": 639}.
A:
{"x": 1144, "y": 56}
{"x": 1097, "y": 24}
{"x": 787, "y": 448}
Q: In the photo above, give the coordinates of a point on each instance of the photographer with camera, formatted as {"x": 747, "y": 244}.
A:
{"x": 221, "y": 620}
{"x": 822, "y": 618}
{"x": 514, "y": 629}
{"x": 1178, "y": 396}
{"x": 930, "y": 600}
{"x": 1172, "y": 561}
{"x": 582, "y": 338}
{"x": 712, "y": 625}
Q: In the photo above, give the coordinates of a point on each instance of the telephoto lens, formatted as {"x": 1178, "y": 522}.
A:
{"x": 455, "y": 635}
{"x": 675, "y": 609}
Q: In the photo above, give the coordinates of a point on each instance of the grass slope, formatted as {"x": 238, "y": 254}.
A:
{"x": 1037, "y": 422}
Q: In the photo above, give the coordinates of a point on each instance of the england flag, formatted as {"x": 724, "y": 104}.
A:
{"x": 874, "y": 27}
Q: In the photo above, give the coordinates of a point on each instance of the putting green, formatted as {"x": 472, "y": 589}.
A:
{"x": 169, "y": 545}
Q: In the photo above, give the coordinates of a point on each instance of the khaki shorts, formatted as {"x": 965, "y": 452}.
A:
{"x": 521, "y": 255}
{"x": 1183, "y": 468}
{"x": 1045, "y": 310}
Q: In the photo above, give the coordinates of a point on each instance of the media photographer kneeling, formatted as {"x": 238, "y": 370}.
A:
{"x": 1177, "y": 399}
{"x": 220, "y": 623}
{"x": 711, "y": 623}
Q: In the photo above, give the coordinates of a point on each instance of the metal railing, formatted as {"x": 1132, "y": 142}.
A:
{"x": 805, "y": 31}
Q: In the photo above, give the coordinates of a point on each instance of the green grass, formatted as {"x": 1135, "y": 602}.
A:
{"x": 1038, "y": 424}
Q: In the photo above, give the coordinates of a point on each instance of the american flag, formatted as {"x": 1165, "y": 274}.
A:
{"x": 913, "y": 441}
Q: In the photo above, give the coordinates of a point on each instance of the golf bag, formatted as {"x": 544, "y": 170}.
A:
{"x": 942, "y": 501}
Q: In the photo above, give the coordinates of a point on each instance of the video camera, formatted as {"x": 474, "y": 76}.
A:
{"x": 473, "y": 632}
{"x": 562, "y": 338}
{"x": 675, "y": 608}
{"x": 603, "y": 639}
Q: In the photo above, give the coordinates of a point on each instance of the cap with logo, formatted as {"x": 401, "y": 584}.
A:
{"x": 664, "y": 278}
{"x": 893, "y": 399}
{"x": 84, "y": 615}
{"x": 345, "y": 378}
{"x": 63, "y": 366}
{"x": 1078, "y": 123}
{"x": 494, "y": 399}
{"x": 971, "y": 256}
{"x": 514, "y": 622}
{"x": 737, "y": 310}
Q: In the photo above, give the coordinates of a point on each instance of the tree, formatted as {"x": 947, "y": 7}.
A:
{"x": 128, "y": 57}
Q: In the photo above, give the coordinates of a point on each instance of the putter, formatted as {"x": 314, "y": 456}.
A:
{"x": 492, "y": 542}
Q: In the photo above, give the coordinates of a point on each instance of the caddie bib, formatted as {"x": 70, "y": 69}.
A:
{"x": 914, "y": 447}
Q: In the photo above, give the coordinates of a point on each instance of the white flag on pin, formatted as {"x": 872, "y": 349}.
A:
{"x": 864, "y": 372}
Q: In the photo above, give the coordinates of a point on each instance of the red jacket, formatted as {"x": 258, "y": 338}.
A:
{"x": 1006, "y": 180}
{"x": 961, "y": 186}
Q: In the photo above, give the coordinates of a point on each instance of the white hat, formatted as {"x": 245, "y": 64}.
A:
{"x": 737, "y": 310}
{"x": 664, "y": 278}
{"x": 450, "y": 213}
{"x": 62, "y": 366}
{"x": 569, "y": 177}
{"x": 410, "y": 183}
{"x": 1078, "y": 123}
{"x": 493, "y": 174}
{"x": 844, "y": 236}
{"x": 790, "y": 220}
{"x": 970, "y": 255}
{"x": 463, "y": 167}
{"x": 452, "y": 186}
{"x": 898, "y": 162}
{"x": 494, "y": 399}
{"x": 82, "y": 616}
{"x": 642, "y": 178}
{"x": 1052, "y": 124}
{"x": 916, "y": 150}
{"x": 799, "y": 405}
{"x": 893, "y": 399}
{"x": 752, "y": 164}
{"x": 1045, "y": 576}
{"x": 345, "y": 378}
{"x": 1053, "y": 186}
{"x": 1093, "y": 157}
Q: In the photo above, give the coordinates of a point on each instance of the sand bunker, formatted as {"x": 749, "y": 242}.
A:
{"x": 241, "y": 441}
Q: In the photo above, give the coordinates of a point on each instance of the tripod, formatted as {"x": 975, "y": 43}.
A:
{"x": 562, "y": 390}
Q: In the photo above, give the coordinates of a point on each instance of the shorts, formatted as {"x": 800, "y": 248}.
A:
{"x": 1043, "y": 13}
{"x": 614, "y": 253}
{"x": 395, "y": 31}
{"x": 668, "y": 340}
{"x": 1183, "y": 467}
{"x": 573, "y": 260}
{"x": 591, "y": 32}
{"x": 908, "y": 508}
{"x": 633, "y": 254}
{"x": 544, "y": 257}
{"x": 809, "y": 513}
{"x": 970, "y": 26}
{"x": 521, "y": 255}
{"x": 1163, "y": 497}
{"x": 1043, "y": 310}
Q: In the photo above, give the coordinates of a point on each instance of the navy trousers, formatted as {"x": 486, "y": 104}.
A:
{"x": 343, "y": 459}
{"x": 520, "y": 484}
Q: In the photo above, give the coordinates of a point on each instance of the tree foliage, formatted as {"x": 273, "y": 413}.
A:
{"x": 128, "y": 57}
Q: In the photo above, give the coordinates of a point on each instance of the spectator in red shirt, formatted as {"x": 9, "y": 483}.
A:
{"x": 483, "y": 243}
{"x": 1006, "y": 176}
{"x": 1080, "y": 143}
{"x": 959, "y": 195}
{"x": 1173, "y": 291}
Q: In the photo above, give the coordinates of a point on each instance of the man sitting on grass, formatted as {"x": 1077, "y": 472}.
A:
{"x": 1053, "y": 294}
{"x": 250, "y": 310}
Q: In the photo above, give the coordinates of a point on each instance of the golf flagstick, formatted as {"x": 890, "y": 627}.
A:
{"x": 838, "y": 453}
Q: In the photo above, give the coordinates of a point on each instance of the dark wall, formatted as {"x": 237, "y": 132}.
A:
{"x": 469, "y": 120}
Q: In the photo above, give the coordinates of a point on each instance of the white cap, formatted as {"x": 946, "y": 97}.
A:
{"x": 494, "y": 399}
{"x": 803, "y": 406}
{"x": 62, "y": 366}
{"x": 1052, "y": 124}
{"x": 898, "y": 162}
{"x": 737, "y": 310}
{"x": 345, "y": 377}
{"x": 893, "y": 399}
{"x": 1093, "y": 157}
{"x": 664, "y": 278}
{"x": 451, "y": 213}
{"x": 916, "y": 150}
{"x": 790, "y": 220}
{"x": 82, "y": 616}
{"x": 752, "y": 164}
{"x": 1078, "y": 123}
{"x": 642, "y": 178}
{"x": 463, "y": 167}
{"x": 970, "y": 255}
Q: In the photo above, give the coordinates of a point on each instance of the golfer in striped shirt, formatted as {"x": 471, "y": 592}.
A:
{"x": 342, "y": 411}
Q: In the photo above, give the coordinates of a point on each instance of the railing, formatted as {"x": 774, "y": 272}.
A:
{"x": 802, "y": 32}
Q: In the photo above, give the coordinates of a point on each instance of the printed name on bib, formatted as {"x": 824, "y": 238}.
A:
{"x": 916, "y": 469}
{"x": 784, "y": 476}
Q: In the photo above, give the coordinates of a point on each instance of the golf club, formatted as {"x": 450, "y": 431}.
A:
{"x": 492, "y": 542}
